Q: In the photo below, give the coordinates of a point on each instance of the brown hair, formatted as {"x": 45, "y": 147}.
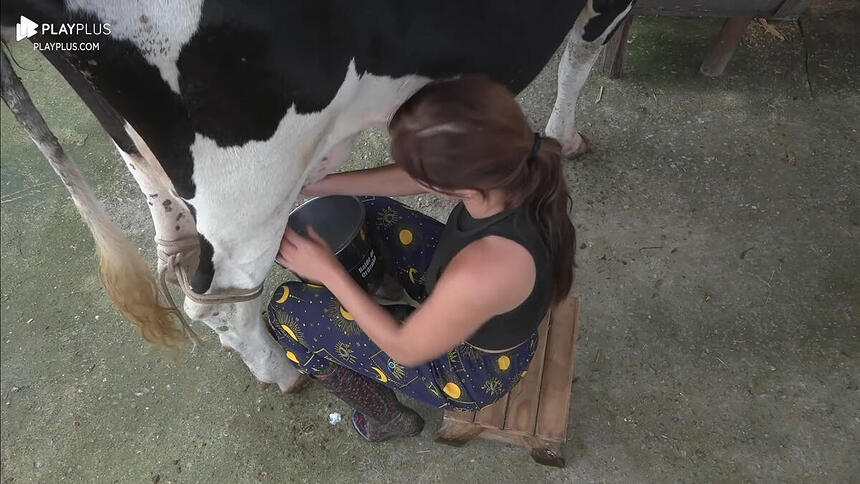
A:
{"x": 470, "y": 133}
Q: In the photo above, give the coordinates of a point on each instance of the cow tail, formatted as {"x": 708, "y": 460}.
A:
{"x": 124, "y": 273}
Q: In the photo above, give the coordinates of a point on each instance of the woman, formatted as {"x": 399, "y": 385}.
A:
{"x": 484, "y": 280}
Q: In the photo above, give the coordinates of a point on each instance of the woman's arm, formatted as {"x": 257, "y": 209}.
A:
{"x": 385, "y": 181}
{"x": 473, "y": 288}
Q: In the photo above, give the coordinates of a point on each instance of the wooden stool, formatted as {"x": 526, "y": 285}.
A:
{"x": 534, "y": 413}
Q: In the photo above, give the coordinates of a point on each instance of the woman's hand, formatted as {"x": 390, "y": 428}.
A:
{"x": 310, "y": 257}
{"x": 317, "y": 188}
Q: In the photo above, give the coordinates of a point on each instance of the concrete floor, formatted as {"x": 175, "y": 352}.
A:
{"x": 718, "y": 269}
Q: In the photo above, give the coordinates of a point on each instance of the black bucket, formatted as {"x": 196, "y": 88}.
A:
{"x": 340, "y": 221}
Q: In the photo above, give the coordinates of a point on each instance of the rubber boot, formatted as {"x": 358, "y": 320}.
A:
{"x": 377, "y": 415}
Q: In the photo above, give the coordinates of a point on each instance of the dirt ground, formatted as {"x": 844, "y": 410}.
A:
{"x": 718, "y": 267}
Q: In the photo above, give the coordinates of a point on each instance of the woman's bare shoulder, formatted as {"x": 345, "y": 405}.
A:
{"x": 496, "y": 269}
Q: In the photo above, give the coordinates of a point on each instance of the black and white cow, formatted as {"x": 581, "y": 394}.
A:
{"x": 223, "y": 109}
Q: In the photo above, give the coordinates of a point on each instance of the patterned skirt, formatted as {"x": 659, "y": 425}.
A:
{"x": 316, "y": 331}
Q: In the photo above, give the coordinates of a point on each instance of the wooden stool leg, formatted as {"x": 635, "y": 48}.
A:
{"x": 547, "y": 453}
{"x": 730, "y": 36}
{"x": 456, "y": 433}
{"x": 613, "y": 53}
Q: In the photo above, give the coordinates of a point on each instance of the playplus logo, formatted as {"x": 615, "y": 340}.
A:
{"x": 27, "y": 28}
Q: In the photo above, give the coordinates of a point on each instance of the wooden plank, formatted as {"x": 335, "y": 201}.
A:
{"x": 558, "y": 369}
{"x": 613, "y": 53}
{"x": 522, "y": 399}
{"x": 493, "y": 416}
{"x": 730, "y": 36}
{"x": 707, "y": 8}
{"x": 777, "y": 9}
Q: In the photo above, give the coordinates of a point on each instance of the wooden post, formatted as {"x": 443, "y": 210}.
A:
{"x": 730, "y": 36}
{"x": 613, "y": 52}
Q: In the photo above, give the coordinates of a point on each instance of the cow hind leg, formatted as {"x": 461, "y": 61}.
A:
{"x": 593, "y": 26}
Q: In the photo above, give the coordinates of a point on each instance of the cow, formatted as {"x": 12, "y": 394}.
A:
{"x": 222, "y": 110}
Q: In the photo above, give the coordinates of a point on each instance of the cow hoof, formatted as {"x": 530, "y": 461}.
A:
{"x": 296, "y": 385}
{"x": 227, "y": 348}
{"x": 579, "y": 149}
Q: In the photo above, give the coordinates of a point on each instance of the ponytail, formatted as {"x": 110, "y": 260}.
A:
{"x": 545, "y": 192}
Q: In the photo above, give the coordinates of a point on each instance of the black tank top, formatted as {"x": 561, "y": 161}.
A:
{"x": 518, "y": 224}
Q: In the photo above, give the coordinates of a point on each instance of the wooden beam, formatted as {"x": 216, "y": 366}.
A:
{"x": 730, "y": 36}
{"x": 707, "y": 8}
{"x": 558, "y": 370}
{"x": 521, "y": 415}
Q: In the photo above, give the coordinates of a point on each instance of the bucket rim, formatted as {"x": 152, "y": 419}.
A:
{"x": 356, "y": 230}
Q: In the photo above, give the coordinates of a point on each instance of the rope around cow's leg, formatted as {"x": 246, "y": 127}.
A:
{"x": 165, "y": 290}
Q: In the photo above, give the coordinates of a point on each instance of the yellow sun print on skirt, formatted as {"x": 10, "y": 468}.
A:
{"x": 292, "y": 357}
{"x": 504, "y": 362}
{"x": 452, "y": 390}
{"x": 406, "y": 236}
